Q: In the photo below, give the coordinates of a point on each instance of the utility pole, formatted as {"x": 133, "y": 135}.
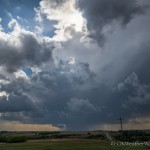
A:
{"x": 120, "y": 119}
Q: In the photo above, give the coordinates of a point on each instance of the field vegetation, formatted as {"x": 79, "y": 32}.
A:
{"x": 95, "y": 140}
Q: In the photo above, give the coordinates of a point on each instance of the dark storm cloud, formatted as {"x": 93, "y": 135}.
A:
{"x": 135, "y": 95}
{"x": 102, "y": 13}
{"x": 71, "y": 95}
{"x": 141, "y": 67}
{"x": 15, "y": 103}
{"x": 78, "y": 105}
{"x": 29, "y": 51}
{"x": 63, "y": 95}
{"x": 15, "y": 99}
{"x": 53, "y": 92}
{"x": 82, "y": 107}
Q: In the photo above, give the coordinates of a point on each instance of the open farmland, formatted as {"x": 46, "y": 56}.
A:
{"x": 68, "y": 145}
{"x": 70, "y": 141}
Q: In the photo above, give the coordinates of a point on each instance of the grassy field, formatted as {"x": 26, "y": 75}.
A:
{"x": 94, "y": 140}
{"x": 68, "y": 145}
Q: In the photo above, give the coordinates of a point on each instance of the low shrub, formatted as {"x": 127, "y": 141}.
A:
{"x": 3, "y": 138}
{"x": 13, "y": 139}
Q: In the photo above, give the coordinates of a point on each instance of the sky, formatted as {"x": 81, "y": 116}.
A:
{"x": 74, "y": 64}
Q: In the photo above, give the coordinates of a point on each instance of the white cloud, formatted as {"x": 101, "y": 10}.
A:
{"x": 21, "y": 19}
{"x": 68, "y": 18}
{"x": 25, "y": 46}
{"x": 21, "y": 74}
{"x": 4, "y": 81}
{"x": 38, "y": 16}
{"x": 3, "y": 93}
{"x": 38, "y": 29}
{"x": 72, "y": 61}
{"x": 13, "y": 24}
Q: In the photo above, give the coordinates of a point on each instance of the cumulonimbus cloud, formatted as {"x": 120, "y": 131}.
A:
{"x": 21, "y": 47}
{"x": 101, "y": 14}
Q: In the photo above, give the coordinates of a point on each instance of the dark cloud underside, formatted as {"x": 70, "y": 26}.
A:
{"x": 100, "y": 13}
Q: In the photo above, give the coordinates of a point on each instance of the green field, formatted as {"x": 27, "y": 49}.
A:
{"x": 67, "y": 140}
{"x": 68, "y": 145}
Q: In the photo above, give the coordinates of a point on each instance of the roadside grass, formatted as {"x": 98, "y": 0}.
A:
{"x": 68, "y": 145}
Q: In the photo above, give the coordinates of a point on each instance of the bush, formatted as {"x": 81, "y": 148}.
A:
{"x": 16, "y": 139}
{"x": 97, "y": 136}
{"x": 2, "y": 138}
{"x": 143, "y": 138}
{"x": 13, "y": 139}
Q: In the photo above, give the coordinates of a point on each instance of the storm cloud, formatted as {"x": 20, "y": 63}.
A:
{"x": 22, "y": 48}
{"x": 102, "y": 14}
{"x": 64, "y": 78}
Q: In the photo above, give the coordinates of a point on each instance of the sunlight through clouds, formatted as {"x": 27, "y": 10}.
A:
{"x": 69, "y": 19}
